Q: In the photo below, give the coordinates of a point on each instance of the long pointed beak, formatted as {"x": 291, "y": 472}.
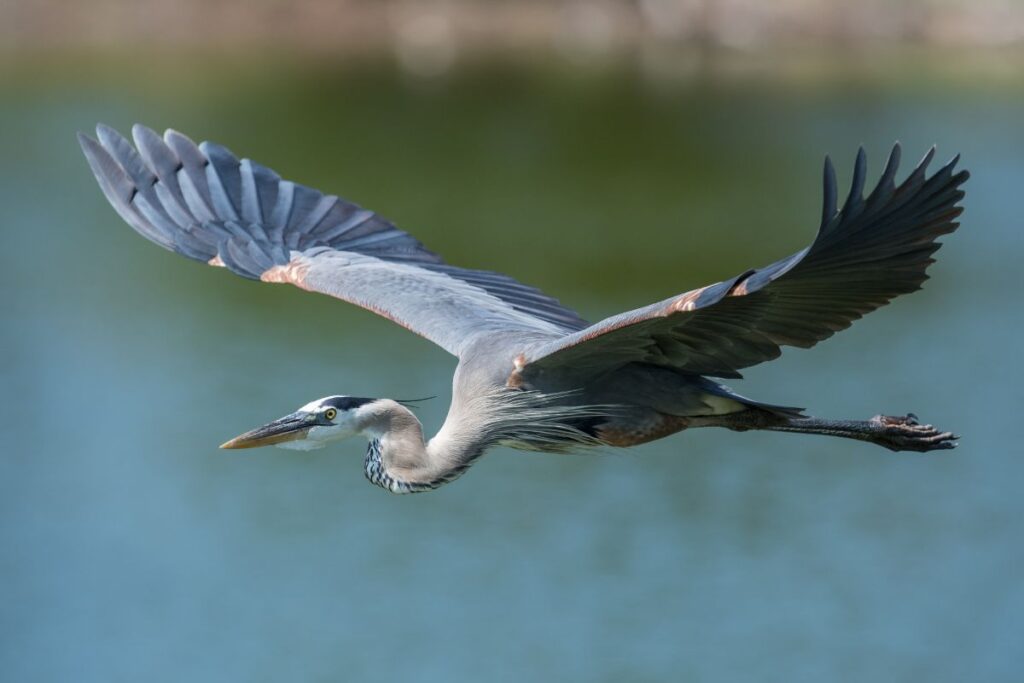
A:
{"x": 288, "y": 428}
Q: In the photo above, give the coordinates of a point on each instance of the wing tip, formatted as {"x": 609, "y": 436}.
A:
{"x": 828, "y": 208}
{"x": 860, "y": 172}
{"x": 892, "y": 164}
{"x": 105, "y": 167}
{"x": 108, "y": 135}
{"x": 927, "y": 158}
{"x": 144, "y": 136}
{"x": 172, "y": 134}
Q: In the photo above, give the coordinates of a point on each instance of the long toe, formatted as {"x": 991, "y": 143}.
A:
{"x": 907, "y": 434}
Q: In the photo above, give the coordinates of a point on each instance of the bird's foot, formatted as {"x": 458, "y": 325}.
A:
{"x": 907, "y": 434}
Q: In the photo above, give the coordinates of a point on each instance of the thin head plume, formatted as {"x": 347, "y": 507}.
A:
{"x": 411, "y": 402}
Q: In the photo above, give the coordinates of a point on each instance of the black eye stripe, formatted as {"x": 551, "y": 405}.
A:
{"x": 345, "y": 402}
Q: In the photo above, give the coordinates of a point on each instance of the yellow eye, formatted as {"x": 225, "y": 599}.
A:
{"x": 330, "y": 413}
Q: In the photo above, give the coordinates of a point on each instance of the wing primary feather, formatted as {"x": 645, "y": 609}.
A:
{"x": 119, "y": 189}
{"x": 267, "y": 185}
{"x": 175, "y": 206}
{"x": 887, "y": 183}
{"x": 192, "y": 175}
{"x": 828, "y": 208}
{"x": 143, "y": 178}
{"x": 855, "y": 199}
{"x": 223, "y": 180}
{"x": 195, "y": 198}
{"x": 917, "y": 176}
{"x": 250, "y": 199}
{"x": 159, "y": 157}
{"x": 121, "y": 150}
{"x": 114, "y": 182}
{"x": 279, "y": 217}
{"x": 155, "y": 216}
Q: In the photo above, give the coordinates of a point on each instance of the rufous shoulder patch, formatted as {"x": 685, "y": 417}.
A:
{"x": 687, "y": 302}
{"x": 293, "y": 272}
{"x": 515, "y": 379}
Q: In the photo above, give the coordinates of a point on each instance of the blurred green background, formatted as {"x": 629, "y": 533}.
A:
{"x": 611, "y": 174}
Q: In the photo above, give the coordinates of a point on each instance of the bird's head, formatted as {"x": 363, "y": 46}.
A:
{"x": 312, "y": 426}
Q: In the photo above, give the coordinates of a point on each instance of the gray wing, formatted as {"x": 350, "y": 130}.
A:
{"x": 871, "y": 251}
{"x": 202, "y": 202}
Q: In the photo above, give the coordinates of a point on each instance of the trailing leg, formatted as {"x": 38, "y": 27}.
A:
{"x": 894, "y": 433}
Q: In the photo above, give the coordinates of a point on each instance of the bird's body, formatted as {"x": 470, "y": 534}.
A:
{"x": 531, "y": 373}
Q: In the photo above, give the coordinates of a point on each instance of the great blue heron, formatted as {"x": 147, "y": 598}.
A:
{"x": 531, "y": 373}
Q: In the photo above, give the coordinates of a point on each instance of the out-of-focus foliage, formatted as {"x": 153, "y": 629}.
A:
{"x": 430, "y": 34}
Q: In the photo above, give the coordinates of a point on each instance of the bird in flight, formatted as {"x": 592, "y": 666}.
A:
{"x": 531, "y": 373}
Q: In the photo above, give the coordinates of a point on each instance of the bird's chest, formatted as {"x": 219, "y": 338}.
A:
{"x": 640, "y": 428}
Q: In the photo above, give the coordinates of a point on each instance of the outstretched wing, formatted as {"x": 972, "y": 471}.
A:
{"x": 871, "y": 251}
{"x": 202, "y": 202}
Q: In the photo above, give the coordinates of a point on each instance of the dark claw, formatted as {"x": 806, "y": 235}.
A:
{"x": 907, "y": 434}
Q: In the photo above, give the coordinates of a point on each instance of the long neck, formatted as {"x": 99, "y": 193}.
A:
{"x": 399, "y": 460}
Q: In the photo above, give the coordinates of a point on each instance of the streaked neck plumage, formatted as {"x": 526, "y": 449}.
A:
{"x": 399, "y": 460}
